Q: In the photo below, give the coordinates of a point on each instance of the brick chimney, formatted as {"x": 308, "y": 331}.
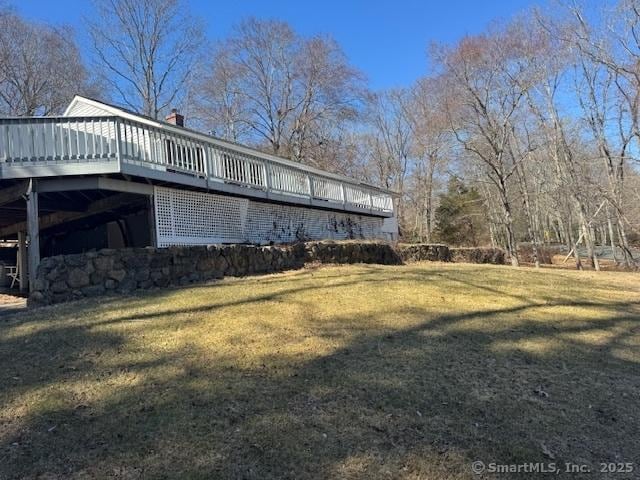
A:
{"x": 175, "y": 118}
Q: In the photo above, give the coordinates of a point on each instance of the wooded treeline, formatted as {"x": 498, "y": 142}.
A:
{"x": 526, "y": 133}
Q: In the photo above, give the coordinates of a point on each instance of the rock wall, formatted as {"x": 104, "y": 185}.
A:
{"x": 494, "y": 256}
{"x": 117, "y": 271}
{"x": 351, "y": 252}
{"x": 69, "y": 277}
{"x": 417, "y": 252}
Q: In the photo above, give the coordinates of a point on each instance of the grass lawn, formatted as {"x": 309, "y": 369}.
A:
{"x": 337, "y": 372}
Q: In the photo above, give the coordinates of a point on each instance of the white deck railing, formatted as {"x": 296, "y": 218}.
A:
{"x": 57, "y": 139}
{"x": 80, "y": 140}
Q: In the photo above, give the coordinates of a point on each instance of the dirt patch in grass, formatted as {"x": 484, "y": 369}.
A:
{"x": 336, "y": 372}
{"x": 11, "y": 303}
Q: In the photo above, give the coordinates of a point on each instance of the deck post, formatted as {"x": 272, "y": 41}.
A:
{"x": 33, "y": 230}
{"x": 22, "y": 260}
{"x": 267, "y": 176}
{"x": 153, "y": 238}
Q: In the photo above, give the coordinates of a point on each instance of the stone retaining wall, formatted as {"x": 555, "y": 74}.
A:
{"x": 416, "y": 252}
{"x": 495, "y": 256}
{"x": 69, "y": 277}
{"x": 351, "y": 252}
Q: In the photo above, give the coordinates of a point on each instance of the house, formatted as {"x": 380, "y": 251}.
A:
{"x": 100, "y": 176}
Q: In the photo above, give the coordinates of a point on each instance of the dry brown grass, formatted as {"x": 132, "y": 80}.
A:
{"x": 337, "y": 372}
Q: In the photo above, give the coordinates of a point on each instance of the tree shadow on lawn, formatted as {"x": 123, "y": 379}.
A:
{"x": 418, "y": 402}
{"x": 371, "y": 275}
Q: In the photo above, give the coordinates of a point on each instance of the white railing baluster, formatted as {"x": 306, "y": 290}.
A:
{"x": 86, "y": 140}
{"x": 53, "y": 141}
{"x": 214, "y": 162}
{"x": 185, "y": 154}
{"x": 77, "y": 131}
{"x": 156, "y": 148}
{"x": 145, "y": 150}
{"x": 118, "y": 139}
{"x": 5, "y": 143}
{"x": 189, "y": 152}
{"x": 64, "y": 138}
{"x": 93, "y": 138}
{"x": 43, "y": 135}
{"x": 179, "y": 152}
{"x": 174, "y": 152}
{"x": 131, "y": 144}
{"x": 190, "y": 166}
{"x": 16, "y": 138}
{"x": 20, "y": 142}
{"x": 124, "y": 140}
{"x": 136, "y": 142}
{"x": 184, "y": 151}
{"x": 234, "y": 168}
{"x": 182, "y": 158}
{"x": 103, "y": 136}
{"x": 310, "y": 186}
{"x": 164, "y": 154}
{"x": 146, "y": 144}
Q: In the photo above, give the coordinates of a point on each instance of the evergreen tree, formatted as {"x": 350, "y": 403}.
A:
{"x": 460, "y": 216}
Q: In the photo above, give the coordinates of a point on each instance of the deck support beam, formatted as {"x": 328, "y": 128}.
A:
{"x": 58, "y": 218}
{"x": 153, "y": 240}
{"x": 13, "y": 193}
{"x": 93, "y": 183}
{"x": 33, "y": 230}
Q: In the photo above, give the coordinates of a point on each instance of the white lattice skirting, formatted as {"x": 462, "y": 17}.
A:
{"x": 194, "y": 218}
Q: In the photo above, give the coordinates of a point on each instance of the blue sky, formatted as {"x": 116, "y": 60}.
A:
{"x": 387, "y": 40}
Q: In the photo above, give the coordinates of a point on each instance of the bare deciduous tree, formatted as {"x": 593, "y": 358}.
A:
{"x": 145, "y": 50}
{"x": 40, "y": 67}
{"x": 490, "y": 75}
{"x": 390, "y": 143}
{"x": 432, "y": 146}
{"x": 270, "y": 87}
{"x": 609, "y": 96}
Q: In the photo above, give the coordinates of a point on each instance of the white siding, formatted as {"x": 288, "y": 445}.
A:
{"x": 82, "y": 109}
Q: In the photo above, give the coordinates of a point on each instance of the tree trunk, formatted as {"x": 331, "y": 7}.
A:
{"x": 574, "y": 247}
{"x": 533, "y": 238}
{"x": 624, "y": 244}
{"x": 612, "y": 238}
{"x": 558, "y": 230}
{"x": 588, "y": 241}
{"x": 429, "y": 205}
{"x": 508, "y": 224}
{"x": 511, "y": 238}
{"x": 492, "y": 234}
